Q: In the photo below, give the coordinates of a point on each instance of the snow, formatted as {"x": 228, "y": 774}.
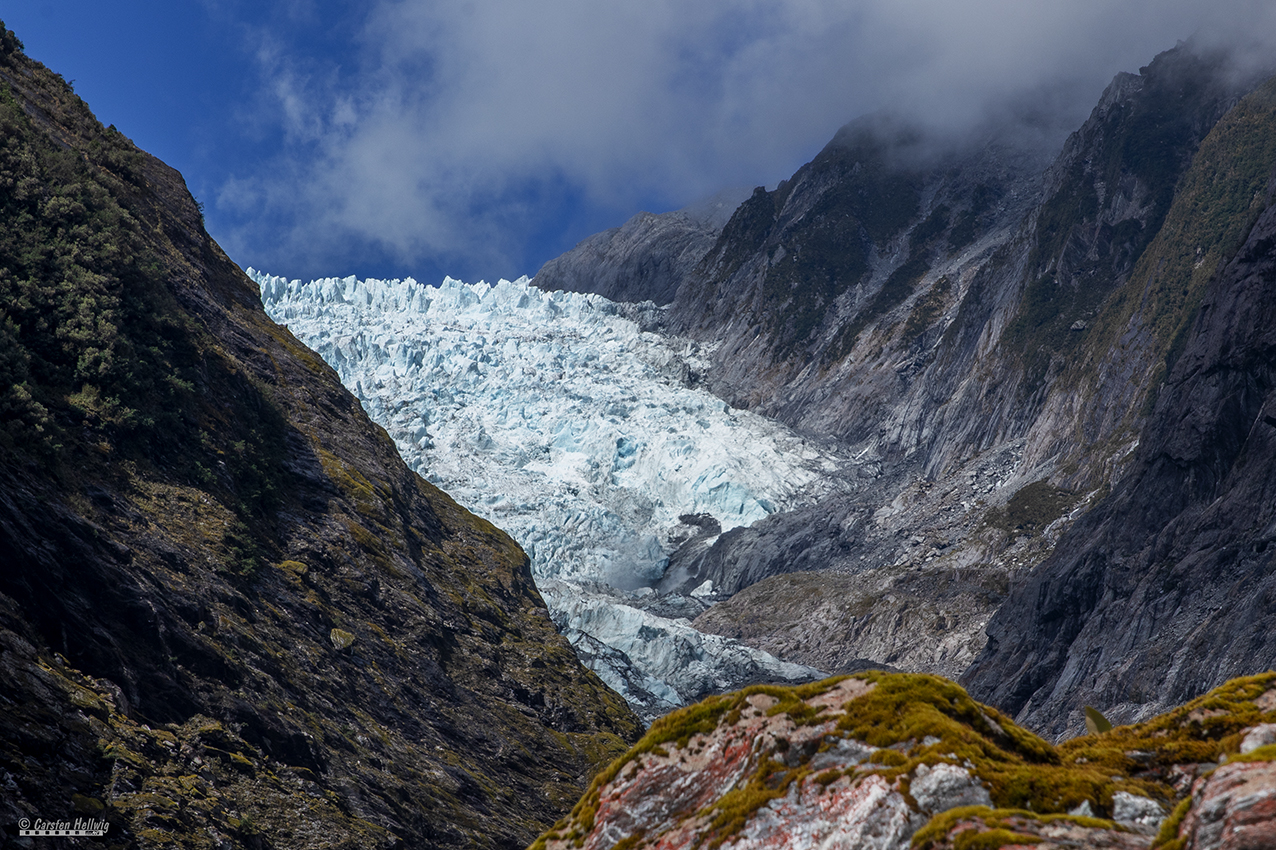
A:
{"x": 565, "y": 424}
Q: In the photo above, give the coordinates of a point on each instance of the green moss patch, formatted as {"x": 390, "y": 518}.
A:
{"x": 1031, "y": 508}
{"x": 914, "y": 719}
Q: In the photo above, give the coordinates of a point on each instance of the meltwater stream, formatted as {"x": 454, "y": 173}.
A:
{"x": 565, "y": 424}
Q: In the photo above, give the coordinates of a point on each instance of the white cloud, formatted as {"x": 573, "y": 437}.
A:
{"x": 434, "y": 142}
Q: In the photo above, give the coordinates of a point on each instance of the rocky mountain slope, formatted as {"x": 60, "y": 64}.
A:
{"x": 994, "y": 340}
{"x": 229, "y": 613}
{"x": 646, "y": 258}
{"x": 887, "y": 761}
{"x": 1170, "y": 582}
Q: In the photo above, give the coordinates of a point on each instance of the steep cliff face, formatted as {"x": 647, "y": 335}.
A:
{"x": 991, "y": 335}
{"x": 929, "y": 304}
{"x": 878, "y": 224}
{"x": 228, "y": 612}
{"x": 1168, "y": 585}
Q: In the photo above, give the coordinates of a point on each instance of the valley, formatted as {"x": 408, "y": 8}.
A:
{"x": 670, "y": 544}
{"x": 557, "y": 418}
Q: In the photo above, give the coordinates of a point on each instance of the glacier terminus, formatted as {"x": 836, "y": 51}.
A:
{"x": 562, "y": 421}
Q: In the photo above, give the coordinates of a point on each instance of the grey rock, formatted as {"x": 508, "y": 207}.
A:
{"x": 1164, "y": 589}
{"x": 1260, "y": 736}
{"x": 1084, "y": 810}
{"x": 1133, "y": 810}
{"x": 943, "y": 786}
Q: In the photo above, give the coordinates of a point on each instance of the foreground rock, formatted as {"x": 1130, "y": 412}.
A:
{"x": 888, "y": 761}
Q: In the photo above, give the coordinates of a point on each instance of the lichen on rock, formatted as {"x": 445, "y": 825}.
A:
{"x": 888, "y": 761}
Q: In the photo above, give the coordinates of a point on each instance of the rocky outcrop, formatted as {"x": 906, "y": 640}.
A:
{"x": 1232, "y": 809}
{"x": 229, "y": 614}
{"x": 904, "y": 617}
{"x": 646, "y": 258}
{"x": 1166, "y": 586}
{"x": 892, "y": 761}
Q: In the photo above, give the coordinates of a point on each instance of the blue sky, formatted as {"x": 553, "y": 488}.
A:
{"x": 480, "y": 138}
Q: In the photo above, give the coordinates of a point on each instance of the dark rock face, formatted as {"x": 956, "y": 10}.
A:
{"x": 1168, "y": 586}
{"x": 977, "y": 324}
{"x": 229, "y": 614}
{"x": 643, "y": 260}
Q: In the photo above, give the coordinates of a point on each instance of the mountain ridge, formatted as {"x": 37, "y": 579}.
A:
{"x": 994, "y": 358}
{"x": 231, "y": 615}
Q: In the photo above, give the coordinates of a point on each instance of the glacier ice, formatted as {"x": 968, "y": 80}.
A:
{"x": 567, "y": 425}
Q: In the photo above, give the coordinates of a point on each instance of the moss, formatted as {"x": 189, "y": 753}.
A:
{"x": 890, "y": 758}
{"x": 828, "y": 777}
{"x": 1027, "y": 778}
{"x": 630, "y": 842}
{"x": 1031, "y": 508}
{"x": 996, "y": 821}
{"x": 84, "y": 805}
{"x": 369, "y": 499}
{"x": 1167, "y": 838}
{"x": 1264, "y": 753}
{"x": 295, "y": 567}
{"x": 242, "y": 763}
{"x": 117, "y": 750}
{"x": 1203, "y": 730}
{"x": 991, "y": 840}
{"x": 733, "y": 809}
{"x": 156, "y": 837}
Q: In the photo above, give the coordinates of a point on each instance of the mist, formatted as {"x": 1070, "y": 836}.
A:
{"x": 482, "y": 139}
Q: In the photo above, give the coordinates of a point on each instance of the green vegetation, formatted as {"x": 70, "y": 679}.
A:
{"x": 99, "y": 363}
{"x": 1167, "y": 837}
{"x": 89, "y": 337}
{"x": 1031, "y": 509}
{"x": 914, "y": 720}
{"x": 1021, "y": 770}
{"x": 1206, "y": 729}
{"x": 341, "y": 639}
{"x": 1218, "y": 201}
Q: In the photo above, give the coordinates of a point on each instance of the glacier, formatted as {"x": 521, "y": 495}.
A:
{"x": 558, "y": 418}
